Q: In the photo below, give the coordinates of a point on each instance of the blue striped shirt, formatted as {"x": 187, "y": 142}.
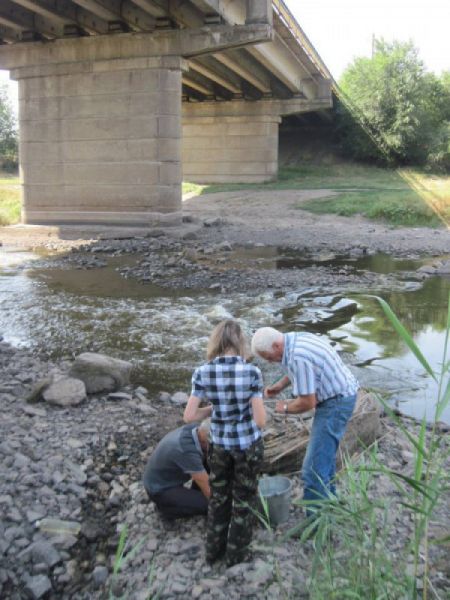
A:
{"x": 314, "y": 367}
{"x": 229, "y": 383}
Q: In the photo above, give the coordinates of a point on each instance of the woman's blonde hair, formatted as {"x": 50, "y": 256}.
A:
{"x": 225, "y": 337}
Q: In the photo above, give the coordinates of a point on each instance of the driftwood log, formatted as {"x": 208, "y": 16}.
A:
{"x": 286, "y": 439}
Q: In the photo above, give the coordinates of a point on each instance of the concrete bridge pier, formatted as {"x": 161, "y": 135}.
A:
{"x": 100, "y": 122}
{"x": 237, "y": 141}
{"x": 100, "y": 141}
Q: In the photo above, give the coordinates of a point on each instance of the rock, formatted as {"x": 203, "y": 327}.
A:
{"x": 224, "y": 247}
{"x": 179, "y": 398}
{"x": 36, "y": 393}
{"x": 44, "y": 552}
{"x": 427, "y": 270}
{"x": 164, "y": 397}
{"x": 67, "y": 391}
{"x": 38, "y": 586}
{"x": 218, "y": 313}
{"x": 119, "y": 396}
{"x": 34, "y": 411}
{"x": 213, "y": 222}
{"x": 99, "y": 576}
{"x": 101, "y": 373}
{"x": 444, "y": 268}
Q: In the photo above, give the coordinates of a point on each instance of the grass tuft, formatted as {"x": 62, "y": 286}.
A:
{"x": 402, "y": 197}
{"x": 10, "y": 203}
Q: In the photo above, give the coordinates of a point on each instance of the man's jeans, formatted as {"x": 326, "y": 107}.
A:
{"x": 319, "y": 465}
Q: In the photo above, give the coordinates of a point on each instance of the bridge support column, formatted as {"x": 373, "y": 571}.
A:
{"x": 100, "y": 122}
{"x": 100, "y": 141}
{"x": 229, "y": 148}
{"x": 236, "y": 141}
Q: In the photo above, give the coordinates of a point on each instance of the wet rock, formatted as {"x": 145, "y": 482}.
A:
{"x": 427, "y": 270}
{"x": 101, "y": 373}
{"x": 224, "y": 247}
{"x": 67, "y": 391}
{"x": 217, "y": 314}
{"x": 443, "y": 268}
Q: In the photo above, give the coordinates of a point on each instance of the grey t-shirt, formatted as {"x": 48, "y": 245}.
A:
{"x": 174, "y": 459}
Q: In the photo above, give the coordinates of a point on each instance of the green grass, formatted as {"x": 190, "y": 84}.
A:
{"x": 402, "y": 197}
{"x": 399, "y": 208}
{"x": 10, "y": 204}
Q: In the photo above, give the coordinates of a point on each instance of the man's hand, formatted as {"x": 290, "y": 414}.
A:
{"x": 280, "y": 406}
{"x": 271, "y": 390}
{"x": 276, "y": 388}
{"x": 202, "y": 480}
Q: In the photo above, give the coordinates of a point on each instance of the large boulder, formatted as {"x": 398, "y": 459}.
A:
{"x": 101, "y": 373}
{"x": 66, "y": 391}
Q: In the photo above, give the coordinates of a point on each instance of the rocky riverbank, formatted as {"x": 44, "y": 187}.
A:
{"x": 70, "y": 482}
{"x": 70, "y": 475}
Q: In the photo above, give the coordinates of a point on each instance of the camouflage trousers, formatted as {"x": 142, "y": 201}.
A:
{"x": 234, "y": 483}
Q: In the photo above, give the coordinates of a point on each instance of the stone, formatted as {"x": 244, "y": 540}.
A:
{"x": 34, "y": 411}
{"x": 38, "y": 586}
{"x": 180, "y": 398}
{"x": 44, "y": 552}
{"x": 218, "y": 313}
{"x": 119, "y": 396}
{"x": 67, "y": 391}
{"x": 99, "y": 576}
{"x": 36, "y": 393}
{"x": 164, "y": 397}
{"x": 101, "y": 373}
{"x": 443, "y": 268}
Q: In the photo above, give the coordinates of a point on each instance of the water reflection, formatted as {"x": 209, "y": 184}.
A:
{"x": 371, "y": 338}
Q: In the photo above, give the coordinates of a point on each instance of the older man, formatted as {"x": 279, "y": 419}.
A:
{"x": 320, "y": 380}
{"x": 179, "y": 457}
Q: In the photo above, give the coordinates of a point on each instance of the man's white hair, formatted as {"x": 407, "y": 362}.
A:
{"x": 264, "y": 338}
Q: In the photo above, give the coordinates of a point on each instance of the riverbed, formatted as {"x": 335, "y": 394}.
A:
{"x": 58, "y": 307}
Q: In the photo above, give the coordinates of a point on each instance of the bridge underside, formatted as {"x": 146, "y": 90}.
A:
{"x": 110, "y": 124}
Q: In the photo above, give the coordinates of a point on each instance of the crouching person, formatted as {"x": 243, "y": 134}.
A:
{"x": 179, "y": 457}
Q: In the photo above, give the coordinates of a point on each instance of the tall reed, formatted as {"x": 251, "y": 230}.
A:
{"x": 355, "y": 553}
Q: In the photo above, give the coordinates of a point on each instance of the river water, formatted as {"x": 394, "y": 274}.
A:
{"x": 60, "y": 312}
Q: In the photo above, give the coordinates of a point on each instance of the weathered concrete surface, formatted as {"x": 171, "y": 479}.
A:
{"x": 100, "y": 123}
{"x": 229, "y": 142}
{"x": 102, "y": 146}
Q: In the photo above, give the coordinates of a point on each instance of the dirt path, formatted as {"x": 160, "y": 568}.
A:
{"x": 275, "y": 217}
{"x": 262, "y": 217}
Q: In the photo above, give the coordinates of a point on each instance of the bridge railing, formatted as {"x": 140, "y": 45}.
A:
{"x": 297, "y": 32}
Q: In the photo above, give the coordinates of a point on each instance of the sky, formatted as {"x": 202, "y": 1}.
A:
{"x": 341, "y": 30}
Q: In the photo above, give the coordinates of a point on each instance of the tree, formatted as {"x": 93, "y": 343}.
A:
{"x": 8, "y": 131}
{"x": 392, "y": 109}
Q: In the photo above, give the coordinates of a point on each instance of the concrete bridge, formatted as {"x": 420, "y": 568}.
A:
{"x": 121, "y": 99}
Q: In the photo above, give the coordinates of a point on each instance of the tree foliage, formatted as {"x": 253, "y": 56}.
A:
{"x": 392, "y": 110}
{"x": 8, "y": 131}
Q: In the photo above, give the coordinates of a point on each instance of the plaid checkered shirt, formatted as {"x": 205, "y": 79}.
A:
{"x": 229, "y": 384}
